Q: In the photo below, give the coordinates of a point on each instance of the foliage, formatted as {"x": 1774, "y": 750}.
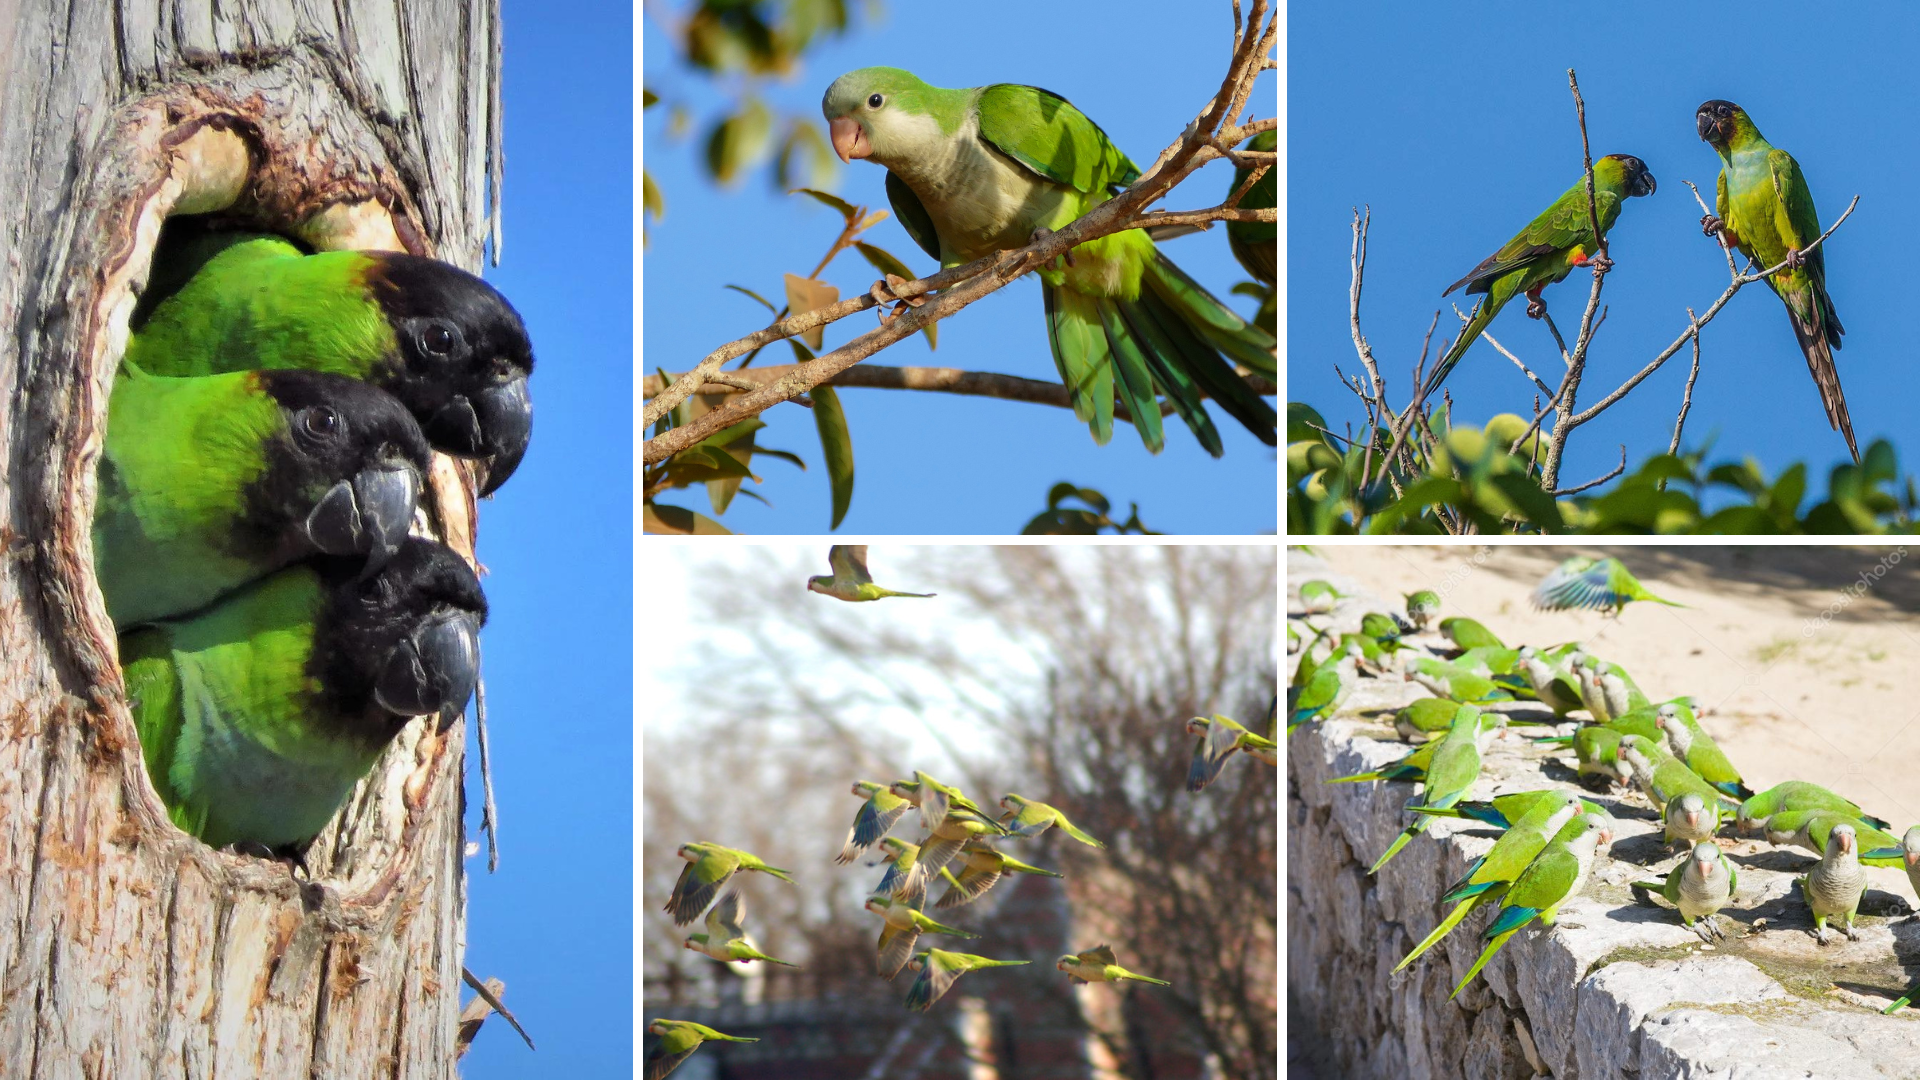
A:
{"x": 1472, "y": 481}
{"x": 1058, "y": 520}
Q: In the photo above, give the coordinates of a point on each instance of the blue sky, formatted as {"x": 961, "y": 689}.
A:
{"x": 938, "y": 463}
{"x": 1459, "y": 128}
{"x": 556, "y": 922}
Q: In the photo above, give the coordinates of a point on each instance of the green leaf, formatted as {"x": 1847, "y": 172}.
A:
{"x": 836, "y": 448}
{"x": 783, "y": 455}
{"x": 1064, "y": 523}
{"x": 659, "y": 518}
{"x": 755, "y": 295}
{"x": 846, "y": 209}
{"x": 1059, "y": 493}
{"x": 738, "y": 142}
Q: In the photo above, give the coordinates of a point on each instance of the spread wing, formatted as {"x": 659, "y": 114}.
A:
{"x": 849, "y": 562}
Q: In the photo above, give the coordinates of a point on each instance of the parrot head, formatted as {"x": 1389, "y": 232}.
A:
{"x": 1198, "y": 725}
{"x": 695, "y": 942}
{"x": 464, "y": 360}
{"x": 878, "y": 904}
{"x": 1722, "y": 123}
{"x": 1627, "y": 171}
{"x": 404, "y": 642}
{"x": 660, "y": 1027}
{"x": 1706, "y": 858}
{"x": 1067, "y": 963}
{"x": 1910, "y": 847}
{"x": 1843, "y": 836}
{"x": 866, "y": 789}
{"x": 877, "y": 113}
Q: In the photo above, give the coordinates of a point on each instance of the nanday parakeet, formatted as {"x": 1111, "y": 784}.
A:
{"x": 975, "y": 171}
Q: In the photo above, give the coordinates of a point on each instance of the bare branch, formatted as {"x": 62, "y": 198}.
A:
{"x": 1617, "y": 470}
{"x": 1686, "y": 399}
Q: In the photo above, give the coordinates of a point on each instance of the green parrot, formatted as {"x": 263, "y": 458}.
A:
{"x": 726, "y": 936}
{"x": 1318, "y": 597}
{"x": 944, "y": 839}
{"x": 1606, "y": 690}
{"x": 1422, "y": 606}
{"x": 980, "y": 867}
{"x": 207, "y": 484}
{"x": 1491, "y": 660}
{"x": 1452, "y": 681}
{"x": 258, "y": 714}
{"x": 1098, "y": 965}
{"x": 1552, "y": 686}
{"x": 877, "y": 815}
{"x": 900, "y": 858}
{"x": 1811, "y": 830}
{"x": 441, "y": 340}
{"x": 850, "y": 580}
{"x": 1594, "y": 584}
{"x": 937, "y": 969}
{"x": 1424, "y": 718}
{"x": 1764, "y": 209}
{"x": 1502, "y": 811}
{"x": 1557, "y": 875}
{"x": 1596, "y": 747}
{"x": 934, "y": 799}
{"x": 1835, "y": 884}
{"x": 1908, "y": 854}
{"x": 1799, "y": 795}
{"x": 1546, "y": 251}
{"x": 1688, "y": 819}
{"x": 1384, "y": 629}
{"x": 1024, "y": 817}
{"x": 1411, "y": 767}
{"x": 1323, "y": 694}
{"x": 1219, "y": 738}
{"x": 1692, "y": 744}
{"x": 972, "y": 172}
{"x": 1454, "y": 769}
{"x": 1469, "y": 634}
{"x": 1699, "y": 887}
{"x": 904, "y": 925}
{"x": 1665, "y": 779}
{"x": 678, "y": 1040}
{"x": 1256, "y": 243}
{"x": 709, "y": 866}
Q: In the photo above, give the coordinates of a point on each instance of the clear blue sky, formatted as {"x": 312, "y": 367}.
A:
{"x": 1454, "y": 122}
{"x": 556, "y": 922}
{"x": 939, "y": 463}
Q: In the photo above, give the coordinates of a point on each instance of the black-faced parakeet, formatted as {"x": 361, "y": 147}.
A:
{"x": 258, "y": 715}
{"x": 980, "y": 170}
{"x": 444, "y": 342}
{"x": 207, "y": 484}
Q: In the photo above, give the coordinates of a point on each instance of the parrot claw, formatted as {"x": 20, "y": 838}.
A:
{"x": 1536, "y": 308}
{"x": 1711, "y": 224}
{"x": 892, "y": 304}
{"x": 1600, "y": 263}
{"x": 1795, "y": 259}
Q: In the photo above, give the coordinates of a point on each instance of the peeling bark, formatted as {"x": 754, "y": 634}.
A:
{"x": 128, "y": 949}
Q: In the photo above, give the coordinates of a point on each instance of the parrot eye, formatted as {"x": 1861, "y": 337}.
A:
{"x": 437, "y": 339}
{"x": 876, "y": 101}
{"x": 320, "y": 422}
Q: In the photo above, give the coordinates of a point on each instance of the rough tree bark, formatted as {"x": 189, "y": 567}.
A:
{"x": 128, "y": 949}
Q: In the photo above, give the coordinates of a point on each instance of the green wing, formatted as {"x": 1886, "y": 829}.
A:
{"x": 1798, "y": 222}
{"x": 1043, "y": 131}
{"x": 1559, "y": 227}
{"x": 912, "y": 214}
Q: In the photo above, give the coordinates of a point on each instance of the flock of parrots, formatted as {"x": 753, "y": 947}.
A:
{"x": 957, "y": 832}
{"x": 270, "y": 431}
{"x": 1763, "y": 209}
{"x": 1551, "y": 837}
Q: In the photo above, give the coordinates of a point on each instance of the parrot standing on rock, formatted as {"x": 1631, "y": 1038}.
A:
{"x": 976, "y": 171}
{"x": 1546, "y": 251}
{"x": 1699, "y": 887}
{"x": 1557, "y": 875}
{"x": 1909, "y": 855}
{"x": 1453, "y": 770}
{"x": 1799, "y": 795}
{"x": 1832, "y": 889}
{"x": 1765, "y": 210}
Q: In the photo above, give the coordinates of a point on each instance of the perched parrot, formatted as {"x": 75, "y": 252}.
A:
{"x": 850, "y": 580}
{"x": 1098, "y": 965}
{"x": 1908, "y": 853}
{"x": 257, "y": 715}
{"x": 726, "y": 936}
{"x": 1699, "y": 887}
{"x": 1425, "y": 718}
{"x": 900, "y": 858}
{"x": 1551, "y": 684}
{"x": 1834, "y": 886}
{"x": 709, "y": 866}
{"x": 1693, "y": 745}
{"x": 1469, "y": 634}
{"x": 1489, "y": 876}
{"x": 1665, "y": 778}
{"x": 1318, "y": 597}
{"x": 904, "y": 926}
{"x": 1024, "y": 817}
{"x": 1502, "y": 811}
{"x": 1491, "y": 660}
{"x": 1605, "y": 688}
{"x": 1422, "y": 606}
{"x": 980, "y": 867}
{"x": 1595, "y": 584}
{"x": 678, "y": 1040}
{"x": 1596, "y": 747}
{"x": 1799, "y": 795}
{"x": 207, "y": 484}
{"x": 1412, "y": 767}
{"x": 1764, "y": 209}
{"x": 877, "y": 816}
{"x": 441, "y": 340}
{"x": 1812, "y": 829}
{"x": 1385, "y": 629}
{"x": 1546, "y": 251}
{"x": 937, "y": 969}
{"x": 1219, "y": 738}
{"x": 1554, "y": 877}
{"x": 1256, "y": 243}
{"x": 1449, "y": 680}
{"x": 971, "y": 172}
{"x": 1454, "y": 769}
{"x": 1322, "y": 695}
{"x": 1689, "y": 820}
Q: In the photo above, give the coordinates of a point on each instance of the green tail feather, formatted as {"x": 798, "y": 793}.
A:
{"x": 1419, "y": 826}
{"x": 1080, "y": 353}
{"x": 1459, "y": 912}
{"x": 1481, "y": 319}
{"x": 1136, "y": 381}
{"x": 1213, "y": 320}
{"x": 1162, "y": 358}
{"x": 1486, "y": 954}
{"x": 1208, "y": 370}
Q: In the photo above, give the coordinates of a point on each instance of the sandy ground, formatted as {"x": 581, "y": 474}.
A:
{"x": 1806, "y": 659}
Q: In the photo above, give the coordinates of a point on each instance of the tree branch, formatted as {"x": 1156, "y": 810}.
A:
{"x": 1617, "y": 470}
{"x": 1686, "y": 399}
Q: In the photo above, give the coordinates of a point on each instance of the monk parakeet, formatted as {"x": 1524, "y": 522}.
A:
{"x": 1557, "y": 875}
{"x": 1492, "y": 660}
{"x": 1764, "y": 209}
{"x": 1469, "y": 634}
{"x": 850, "y": 580}
{"x": 1665, "y": 778}
{"x": 1913, "y": 993}
{"x": 1812, "y": 829}
{"x": 1318, "y": 597}
{"x": 1322, "y": 695}
{"x": 951, "y": 819}
{"x": 1219, "y": 738}
{"x": 1489, "y": 876}
{"x": 209, "y": 483}
{"x": 1834, "y": 886}
{"x": 1098, "y": 965}
{"x": 938, "y": 969}
{"x": 678, "y": 1040}
{"x": 1256, "y": 243}
{"x": 1546, "y": 251}
{"x": 1502, "y": 811}
{"x": 877, "y": 815}
{"x": 975, "y": 171}
{"x": 441, "y": 340}
{"x": 1693, "y": 745}
{"x": 980, "y": 867}
{"x": 904, "y": 926}
{"x": 726, "y": 936}
{"x": 709, "y": 866}
{"x": 1422, "y": 606}
{"x": 1025, "y": 817}
{"x": 900, "y": 858}
{"x": 1452, "y": 681}
{"x": 1454, "y": 769}
{"x": 1606, "y": 690}
{"x": 1689, "y": 819}
{"x": 258, "y": 714}
{"x": 1908, "y": 853}
{"x": 1411, "y": 767}
{"x": 1595, "y": 584}
{"x": 934, "y": 799}
{"x": 1385, "y": 629}
{"x": 1799, "y": 795}
{"x": 1699, "y": 887}
{"x": 1552, "y": 685}
{"x": 1425, "y": 718}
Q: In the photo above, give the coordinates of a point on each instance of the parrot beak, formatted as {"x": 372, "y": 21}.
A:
{"x": 368, "y": 515}
{"x": 849, "y": 139}
{"x": 1703, "y": 123}
{"x": 434, "y": 670}
{"x": 495, "y": 423}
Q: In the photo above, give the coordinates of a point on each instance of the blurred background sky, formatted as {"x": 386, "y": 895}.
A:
{"x": 1455, "y": 124}
{"x": 934, "y": 463}
{"x": 555, "y": 923}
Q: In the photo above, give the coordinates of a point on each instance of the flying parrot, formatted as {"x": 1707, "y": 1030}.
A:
{"x": 900, "y": 858}
{"x": 850, "y": 580}
{"x": 1025, "y": 817}
{"x": 708, "y": 867}
{"x": 904, "y": 925}
{"x": 1098, "y": 965}
{"x": 980, "y": 867}
{"x": 258, "y": 714}
{"x": 1219, "y": 738}
{"x": 876, "y": 817}
{"x": 726, "y": 936}
{"x": 1699, "y": 887}
{"x": 1546, "y": 251}
{"x": 1554, "y": 877}
{"x": 938, "y": 969}
{"x": 678, "y": 1040}
{"x": 441, "y": 340}
{"x": 1597, "y": 584}
{"x": 207, "y": 484}
{"x": 975, "y": 171}
{"x": 1764, "y": 209}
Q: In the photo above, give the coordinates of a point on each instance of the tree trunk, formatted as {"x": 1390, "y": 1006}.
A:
{"x": 128, "y": 949}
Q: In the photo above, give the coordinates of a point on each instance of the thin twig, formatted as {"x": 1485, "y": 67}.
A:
{"x": 489, "y": 813}
{"x": 1617, "y": 470}
{"x": 1503, "y": 351}
{"x": 1686, "y": 399}
{"x": 1576, "y": 362}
